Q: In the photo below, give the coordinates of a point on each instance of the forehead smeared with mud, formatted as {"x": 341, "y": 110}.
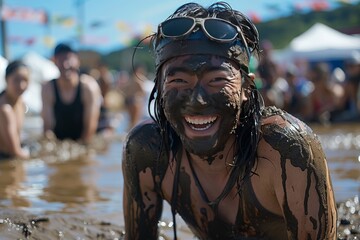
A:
{"x": 199, "y": 65}
{"x": 198, "y": 44}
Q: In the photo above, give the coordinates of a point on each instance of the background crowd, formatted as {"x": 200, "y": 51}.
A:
{"x": 312, "y": 91}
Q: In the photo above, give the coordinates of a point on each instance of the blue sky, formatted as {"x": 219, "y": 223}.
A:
{"x": 109, "y": 24}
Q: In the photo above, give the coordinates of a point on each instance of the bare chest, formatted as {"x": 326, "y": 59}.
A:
{"x": 199, "y": 201}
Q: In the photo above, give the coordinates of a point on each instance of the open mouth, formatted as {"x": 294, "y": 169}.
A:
{"x": 200, "y": 123}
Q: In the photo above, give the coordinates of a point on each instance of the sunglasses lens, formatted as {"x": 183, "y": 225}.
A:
{"x": 219, "y": 29}
{"x": 176, "y": 27}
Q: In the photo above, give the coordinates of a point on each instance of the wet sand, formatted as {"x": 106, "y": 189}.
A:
{"x": 18, "y": 224}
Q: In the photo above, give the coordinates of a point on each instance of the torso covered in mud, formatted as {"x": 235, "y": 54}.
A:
{"x": 288, "y": 195}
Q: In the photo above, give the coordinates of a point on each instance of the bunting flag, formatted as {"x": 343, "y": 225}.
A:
{"x": 23, "y": 14}
{"x": 254, "y": 17}
{"x": 28, "y": 41}
{"x": 319, "y": 5}
{"x": 273, "y": 7}
{"x": 344, "y": 1}
{"x": 95, "y": 40}
{"x": 63, "y": 21}
{"x": 313, "y": 5}
{"x": 147, "y": 30}
{"x": 138, "y": 31}
{"x": 123, "y": 26}
{"x": 97, "y": 24}
{"x": 49, "y": 42}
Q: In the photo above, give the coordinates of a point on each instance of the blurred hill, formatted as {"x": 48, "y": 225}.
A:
{"x": 280, "y": 32}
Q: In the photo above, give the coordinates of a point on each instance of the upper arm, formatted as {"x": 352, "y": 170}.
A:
{"x": 142, "y": 202}
{"x": 302, "y": 183}
{"x": 47, "y": 97}
{"x": 92, "y": 102}
{"x": 9, "y": 132}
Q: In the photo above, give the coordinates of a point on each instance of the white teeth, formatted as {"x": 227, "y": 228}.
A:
{"x": 200, "y": 129}
{"x": 202, "y": 120}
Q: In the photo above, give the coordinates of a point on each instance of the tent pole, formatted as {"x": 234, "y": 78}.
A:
{"x": 3, "y": 33}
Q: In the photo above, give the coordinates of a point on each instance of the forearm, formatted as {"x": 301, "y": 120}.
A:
{"x": 88, "y": 132}
{"x": 138, "y": 223}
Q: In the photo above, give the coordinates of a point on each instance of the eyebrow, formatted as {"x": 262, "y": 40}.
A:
{"x": 172, "y": 70}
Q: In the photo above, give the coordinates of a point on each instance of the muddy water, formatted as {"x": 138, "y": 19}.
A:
{"x": 67, "y": 192}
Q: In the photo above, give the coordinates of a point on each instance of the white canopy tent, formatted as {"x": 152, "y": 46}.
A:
{"x": 3, "y": 65}
{"x": 42, "y": 69}
{"x": 321, "y": 42}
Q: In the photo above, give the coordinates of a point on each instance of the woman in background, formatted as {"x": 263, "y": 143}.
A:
{"x": 12, "y": 110}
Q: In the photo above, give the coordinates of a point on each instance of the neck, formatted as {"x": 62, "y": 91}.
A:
{"x": 69, "y": 82}
{"x": 222, "y": 162}
{"x": 10, "y": 99}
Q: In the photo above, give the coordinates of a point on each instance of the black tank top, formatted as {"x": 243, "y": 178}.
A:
{"x": 68, "y": 116}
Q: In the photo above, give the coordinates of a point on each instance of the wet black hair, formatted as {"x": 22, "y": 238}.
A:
{"x": 63, "y": 48}
{"x": 13, "y": 66}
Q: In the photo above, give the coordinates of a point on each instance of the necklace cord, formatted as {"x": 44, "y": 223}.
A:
{"x": 229, "y": 185}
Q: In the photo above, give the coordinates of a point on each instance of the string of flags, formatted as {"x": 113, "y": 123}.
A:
{"x": 40, "y": 16}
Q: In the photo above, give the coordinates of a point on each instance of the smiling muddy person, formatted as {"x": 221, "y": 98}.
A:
{"x": 230, "y": 167}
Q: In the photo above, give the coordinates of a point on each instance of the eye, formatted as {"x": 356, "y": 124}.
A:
{"x": 218, "y": 81}
{"x": 176, "y": 80}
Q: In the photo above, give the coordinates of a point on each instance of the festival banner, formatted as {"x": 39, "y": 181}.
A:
{"x": 23, "y": 14}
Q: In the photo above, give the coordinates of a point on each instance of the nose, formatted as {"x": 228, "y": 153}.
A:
{"x": 23, "y": 85}
{"x": 199, "y": 96}
{"x": 66, "y": 64}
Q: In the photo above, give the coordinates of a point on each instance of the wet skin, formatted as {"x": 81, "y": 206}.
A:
{"x": 289, "y": 197}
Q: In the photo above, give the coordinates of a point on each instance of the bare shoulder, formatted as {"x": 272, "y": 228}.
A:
{"x": 290, "y": 137}
{"x": 6, "y": 109}
{"x": 7, "y": 114}
{"x": 142, "y": 148}
{"x": 89, "y": 82}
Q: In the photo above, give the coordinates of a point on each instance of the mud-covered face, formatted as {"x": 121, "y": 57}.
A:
{"x": 201, "y": 97}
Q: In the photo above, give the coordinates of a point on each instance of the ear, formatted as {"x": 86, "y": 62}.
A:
{"x": 251, "y": 76}
{"x": 243, "y": 95}
{"x": 244, "y": 89}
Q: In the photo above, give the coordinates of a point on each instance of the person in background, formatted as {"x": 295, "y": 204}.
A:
{"x": 12, "y": 110}
{"x": 298, "y": 92}
{"x": 71, "y": 103}
{"x": 326, "y": 97}
{"x": 134, "y": 93}
{"x": 229, "y": 166}
{"x": 104, "y": 78}
{"x": 351, "y": 98}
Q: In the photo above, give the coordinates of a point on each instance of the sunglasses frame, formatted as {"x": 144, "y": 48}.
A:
{"x": 201, "y": 22}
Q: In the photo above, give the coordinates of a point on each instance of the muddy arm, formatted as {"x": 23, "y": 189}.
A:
{"x": 302, "y": 183}
{"x": 142, "y": 202}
